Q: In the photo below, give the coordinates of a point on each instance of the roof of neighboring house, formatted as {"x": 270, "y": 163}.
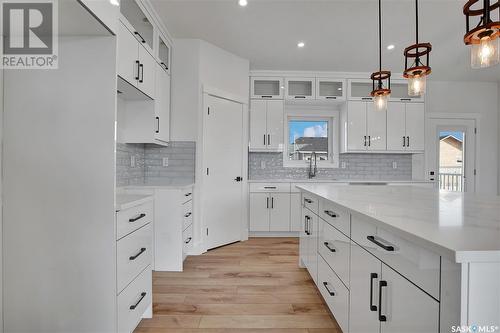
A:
{"x": 312, "y": 144}
{"x": 449, "y": 136}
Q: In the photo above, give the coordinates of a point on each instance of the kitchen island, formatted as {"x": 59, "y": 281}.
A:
{"x": 403, "y": 258}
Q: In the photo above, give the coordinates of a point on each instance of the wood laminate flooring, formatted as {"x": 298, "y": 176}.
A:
{"x": 249, "y": 287}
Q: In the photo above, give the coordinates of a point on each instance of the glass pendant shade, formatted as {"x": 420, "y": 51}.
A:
{"x": 417, "y": 85}
{"x": 486, "y": 53}
{"x": 380, "y": 102}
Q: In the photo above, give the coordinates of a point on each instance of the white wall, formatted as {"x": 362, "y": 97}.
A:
{"x": 498, "y": 114}
{"x": 1, "y": 202}
{"x": 472, "y": 97}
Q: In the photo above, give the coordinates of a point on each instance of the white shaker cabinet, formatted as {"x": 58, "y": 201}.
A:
{"x": 376, "y": 127}
{"x": 295, "y": 212}
{"x": 405, "y": 126}
{"x": 259, "y": 212}
{"x": 266, "y": 125}
{"x": 366, "y": 127}
{"x": 279, "y": 215}
{"x": 266, "y": 88}
{"x": 270, "y": 211}
{"x": 309, "y": 243}
{"x": 300, "y": 88}
{"x": 162, "y": 105}
{"x": 356, "y": 126}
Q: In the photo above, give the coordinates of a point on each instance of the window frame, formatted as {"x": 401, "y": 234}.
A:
{"x": 333, "y": 138}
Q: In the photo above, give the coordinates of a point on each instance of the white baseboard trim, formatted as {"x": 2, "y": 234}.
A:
{"x": 273, "y": 234}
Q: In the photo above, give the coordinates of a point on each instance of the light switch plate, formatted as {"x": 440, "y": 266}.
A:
{"x": 165, "y": 161}
{"x": 132, "y": 161}
{"x": 394, "y": 165}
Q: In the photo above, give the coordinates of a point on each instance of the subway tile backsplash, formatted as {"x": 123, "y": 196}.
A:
{"x": 149, "y": 168}
{"x": 357, "y": 167}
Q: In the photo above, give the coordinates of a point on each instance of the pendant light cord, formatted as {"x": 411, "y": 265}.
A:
{"x": 380, "y": 41}
{"x": 416, "y": 20}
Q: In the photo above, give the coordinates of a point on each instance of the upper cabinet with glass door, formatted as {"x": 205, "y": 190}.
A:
{"x": 300, "y": 88}
{"x": 359, "y": 90}
{"x": 399, "y": 92}
{"x": 138, "y": 22}
{"x": 266, "y": 88}
{"x": 330, "y": 89}
{"x": 164, "y": 53}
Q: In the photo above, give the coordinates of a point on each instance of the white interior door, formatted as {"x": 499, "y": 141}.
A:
{"x": 444, "y": 164}
{"x": 223, "y": 161}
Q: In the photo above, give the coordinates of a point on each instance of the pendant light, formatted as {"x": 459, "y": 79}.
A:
{"x": 381, "y": 80}
{"x": 484, "y": 39}
{"x": 419, "y": 70}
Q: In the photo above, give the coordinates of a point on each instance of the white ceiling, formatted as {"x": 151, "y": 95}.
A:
{"x": 340, "y": 35}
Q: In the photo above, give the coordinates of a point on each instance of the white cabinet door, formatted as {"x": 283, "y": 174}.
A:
{"x": 279, "y": 219}
{"x": 415, "y": 126}
{"x": 396, "y": 124}
{"x": 300, "y": 88}
{"x": 258, "y": 129}
{"x": 313, "y": 247}
{"x": 147, "y": 71}
{"x": 364, "y": 277}
{"x": 406, "y": 308}
{"x": 162, "y": 105}
{"x": 304, "y": 238}
{"x": 128, "y": 55}
{"x": 376, "y": 128}
{"x": 266, "y": 87}
{"x": 259, "y": 211}
{"x": 295, "y": 212}
{"x": 275, "y": 125}
{"x": 356, "y": 126}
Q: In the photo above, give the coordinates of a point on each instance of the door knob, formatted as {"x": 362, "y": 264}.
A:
{"x": 238, "y": 179}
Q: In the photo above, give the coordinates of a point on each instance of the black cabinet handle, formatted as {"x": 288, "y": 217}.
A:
{"x": 264, "y": 140}
{"x": 188, "y": 214}
{"x": 270, "y": 187}
{"x": 369, "y": 140}
{"x": 372, "y": 239}
{"x": 267, "y": 202}
{"x": 157, "y": 124}
{"x": 373, "y": 276}
{"x": 164, "y": 66}
{"x": 366, "y": 98}
{"x": 365, "y": 141}
{"x": 188, "y": 194}
{"x": 132, "y": 307}
{"x": 188, "y": 240}
{"x": 408, "y": 141}
{"x": 269, "y": 139}
{"x": 307, "y": 219}
{"x": 327, "y": 245}
{"x": 381, "y": 317}
{"x": 405, "y": 99}
{"x": 238, "y": 179}
{"x": 331, "y": 97}
{"x": 332, "y": 293}
{"x": 138, "y": 65}
{"x": 141, "y": 66}
{"x": 404, "y": 141}
{"x": 266, "y": 96}
{"x": 330, "y": 213}
{"x": 140, "y": 216}
{"x": 300, "y": 97}
{"x": 309, "y": 201}
{"x": 142, "y": 39}
{"x": 272, "y": 202}
{"x": 143, "y": 249}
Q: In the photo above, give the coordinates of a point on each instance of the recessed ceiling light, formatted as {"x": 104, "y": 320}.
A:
{"x": 114, "y": 2}
{"x": 390, "y": 47}
{"x": 242, "y": 3}
{"x": 301, "y": 44}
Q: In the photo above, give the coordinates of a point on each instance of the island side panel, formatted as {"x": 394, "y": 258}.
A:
{"x": 484, "y": 294}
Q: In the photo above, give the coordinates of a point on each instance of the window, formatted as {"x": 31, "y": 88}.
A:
{"x": 308, "y": 135}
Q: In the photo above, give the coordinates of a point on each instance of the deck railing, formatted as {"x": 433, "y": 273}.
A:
{"x": 451, "y": 182}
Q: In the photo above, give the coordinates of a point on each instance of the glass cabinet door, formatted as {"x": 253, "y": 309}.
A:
{"x": 399, "y": 92}
{"x": 360, "y": 90}
{"x": 143, "y": 28}
{"x": 164, "y": 54}
{"x": 330, "y": 89}
{"x": 300, "y": 88}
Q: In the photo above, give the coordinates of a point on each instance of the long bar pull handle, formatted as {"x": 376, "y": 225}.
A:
{"x": 141, "y": 70}
{"x": 372, "y": 239}
{"x": 404, "y": 141}
{"x": 272, "y": 202}
{"x": 133, "y": 306}
{"x": 408, "y": 141}
{"x": 157, "y": 124}
{"x": 264, "y": 139}
{"x": 300, "y": 97}
{"x": 140, "y": 216}
{"x": 137, "y": 62}
{"x": 270, "y": 187}
{"x": 143, "y": 249}
{"x": 369, "y": 140}
{"x": 330, "y": 292}
{"x": 263, "y": 96}
{"x": 381, "y": 285}
{"x": 269, "y": 139}
{"x": 365, "y": 141}
{"x": 267, "y": 202}
{"x": 327, "y": 245}
{"x": 373, "y": 276}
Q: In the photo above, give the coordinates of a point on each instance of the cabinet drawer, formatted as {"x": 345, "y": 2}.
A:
{"x": 133, "y": 254}
{"x": 133, "y": 218}
{"x": 417, "y": 264}
{"x": 133, "y": 301}
{"x": 311, "y": 202}
{"x": 336, "y": 216}
{"x": 187, "y": 241}
{"x": 334, "y": 293}
{"x": 269, "y": 187}
{"x": 187, "y": 214}
{"x": 335, "y": 249}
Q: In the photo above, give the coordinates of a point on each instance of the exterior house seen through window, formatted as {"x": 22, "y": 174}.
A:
{"x": 307, "y": 137}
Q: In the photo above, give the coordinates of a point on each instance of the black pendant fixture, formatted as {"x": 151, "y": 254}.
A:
{"x": 381, "y": 80}
{"x": 484, "y": 39}
{"x": 419, "y": 67}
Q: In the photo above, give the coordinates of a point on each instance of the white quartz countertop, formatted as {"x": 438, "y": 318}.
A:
{"x": 319, "y": 180}
{"x": 465, "y": 227}
{"x": 147, "y": 186}
{"x": 125, "y": 200}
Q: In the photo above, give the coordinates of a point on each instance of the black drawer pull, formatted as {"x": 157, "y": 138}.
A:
{"x": 188, "y": 214}
{"x": 138, "y": 70}
{"x": 140, "y": 216}
{"x": 300, "y": 97}
{"x": 332, "y": 293}
{"x": 330, "y": 213}
{"x": 143, "y": 249}
{"x": 266, "y": 96}
{"x": 381, "y": 317}
{"x": 164, "y": 66}
{"x": 142, "y": 39}
{"x": 309, "y": 201}
{"x": 188, "y": 194}
{"x": 405, "y": 99}
{"x": 331, "y": 97}
{"x": 373, "y": 276}
{"x": 327, "y": 245}
{"x": 366, "y": 98}
{"x": 270, "y": 187}
{"x": 132, "y": 307}
{"x": 372, "y": 239}
{"x": 188, "y": 240}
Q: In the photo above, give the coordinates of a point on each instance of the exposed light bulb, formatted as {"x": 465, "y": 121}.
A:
{"x": 242, "y": 3}
{"x": 486, "y": 53}
{"x": 380, "y": 102}
{"x": 417, "y": 85}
